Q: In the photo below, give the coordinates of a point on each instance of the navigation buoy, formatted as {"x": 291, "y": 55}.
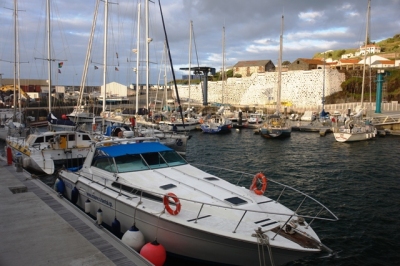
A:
{"x": 133, "y": 238}
{"x": 87, "y": 206}
{"x": 99, "y": 216}
{"x": 154, "y": 252}
{"x": 59, "y": 186}
{"x": 74, "y": 195}
{"x": 116, "y": 227}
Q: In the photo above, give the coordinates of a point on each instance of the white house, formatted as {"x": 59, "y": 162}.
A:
{"x": 376, "y": 61}
{"x": 383, "y": 63}
{"x": 369, "y": 49}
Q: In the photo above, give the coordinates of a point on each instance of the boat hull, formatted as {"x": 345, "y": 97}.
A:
{"x": 49, "y": 160}
{"x": 189, "y": 240}
{"x": 275, "y": 133}
{"x": 216, "y": 130}
{"x": 351, "y": 137}
{"x": 179, "y": 127}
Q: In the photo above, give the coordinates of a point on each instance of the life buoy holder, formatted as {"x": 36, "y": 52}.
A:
{"x": 177, "y": 203}
{"x": 260, "y": 176}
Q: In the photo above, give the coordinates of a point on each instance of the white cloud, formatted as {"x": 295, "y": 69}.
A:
{"x": 310, "y": 16}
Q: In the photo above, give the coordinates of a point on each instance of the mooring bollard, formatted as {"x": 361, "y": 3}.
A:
{"x": 18, "y": 163}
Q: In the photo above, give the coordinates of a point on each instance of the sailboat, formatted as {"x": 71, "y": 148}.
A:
{"x": 42, "y": 152}
{"x": 276, "y": 126}
{"x": 219, "y": 123}
{"x": 11, "y": 120}
{"x": 355, "y": 127}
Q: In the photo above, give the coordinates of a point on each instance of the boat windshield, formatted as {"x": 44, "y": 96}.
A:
{"x": 138, "y": 162}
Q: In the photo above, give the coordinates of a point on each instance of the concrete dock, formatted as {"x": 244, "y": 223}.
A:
{"x": 39, "y": 228}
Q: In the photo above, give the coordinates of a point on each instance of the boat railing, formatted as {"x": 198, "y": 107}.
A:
{"x": 318, "y": 212}
{"x": 246, "y": 178}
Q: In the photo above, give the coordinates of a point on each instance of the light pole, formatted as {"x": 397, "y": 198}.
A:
{"x": 323, "y": 83}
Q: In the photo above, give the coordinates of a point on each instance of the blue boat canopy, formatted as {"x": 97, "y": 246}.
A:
{"x": 134, "y": 148}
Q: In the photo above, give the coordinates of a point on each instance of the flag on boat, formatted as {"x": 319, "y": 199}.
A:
{"x": 116, "y": 69}
{"x": 60, "y": 65}
{"x": 95, "y": 67}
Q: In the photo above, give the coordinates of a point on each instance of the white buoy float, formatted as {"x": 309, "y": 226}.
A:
{"x": 99, "y": 216}
{"x": 133, "y": 238}
{"x": 87, "y": 206}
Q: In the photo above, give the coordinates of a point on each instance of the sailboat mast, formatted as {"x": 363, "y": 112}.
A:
{"x": 278, "y": 98}
{"x": 88, "y": 53}
{"x": 15, "y": 54}
{"x": 365, "y": 52}
{"x": 190, "y": 59}
{"x": 18, "y": 63}
{"x": 147, "y": 53}
{"x": 105, "y": 53}
{"x": 48, "y": 52}
{"x": 223, "y": 63}
{"x": 137, "y": 60}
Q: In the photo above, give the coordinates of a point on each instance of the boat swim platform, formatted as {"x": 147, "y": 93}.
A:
{"x": 40, "y": 228}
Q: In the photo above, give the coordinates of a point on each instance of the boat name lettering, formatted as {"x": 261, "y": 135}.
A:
{"x": 92, "y": 196}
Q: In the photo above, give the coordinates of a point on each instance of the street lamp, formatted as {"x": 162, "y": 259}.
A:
{"x": 323, "y": 83}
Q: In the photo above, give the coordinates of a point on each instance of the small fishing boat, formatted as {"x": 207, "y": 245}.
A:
{"x": 43, "y": 152}
{"x": 192, "y": 212}
{"x": 275, "y": 127}
{"x": 355, "y": 128}
{"x": 216, "y": 125}
{"x": 255, "y": 120}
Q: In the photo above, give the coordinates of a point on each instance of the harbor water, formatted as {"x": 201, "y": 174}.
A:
{"x": 359, "y": 182}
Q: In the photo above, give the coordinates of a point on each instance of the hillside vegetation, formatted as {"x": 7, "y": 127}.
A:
{"x": 388, "y": 47}
{"x": 351, "y": 87}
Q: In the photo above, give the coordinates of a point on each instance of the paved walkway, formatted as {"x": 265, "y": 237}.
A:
{"x": 39, "y": 228}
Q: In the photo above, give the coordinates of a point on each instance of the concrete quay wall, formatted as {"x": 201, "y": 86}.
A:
{"x": 298, "y": 88}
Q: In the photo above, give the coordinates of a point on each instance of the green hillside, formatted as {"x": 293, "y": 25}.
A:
{"x": 388, "y": 46}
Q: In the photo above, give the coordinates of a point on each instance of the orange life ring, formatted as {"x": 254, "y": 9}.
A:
{"x": 176, "y": 200}
{"x": 253, "y": 187}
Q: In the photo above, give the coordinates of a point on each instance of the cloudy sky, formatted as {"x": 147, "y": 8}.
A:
{"x": 252, "y": 30}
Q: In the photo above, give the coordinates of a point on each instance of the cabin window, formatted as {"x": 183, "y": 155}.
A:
{"x": 86, "y": 137}
{"x": 130, "y": 163}
{"x": 154, "y": 160}
{"x": 48, "y": 138}
{"x": 71, "y": 137}
{"x": 39, "y": 140}
{"x": 172, "y": 158}
{"x": 104, "y": 163}
{"x": 135, "y": 191}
